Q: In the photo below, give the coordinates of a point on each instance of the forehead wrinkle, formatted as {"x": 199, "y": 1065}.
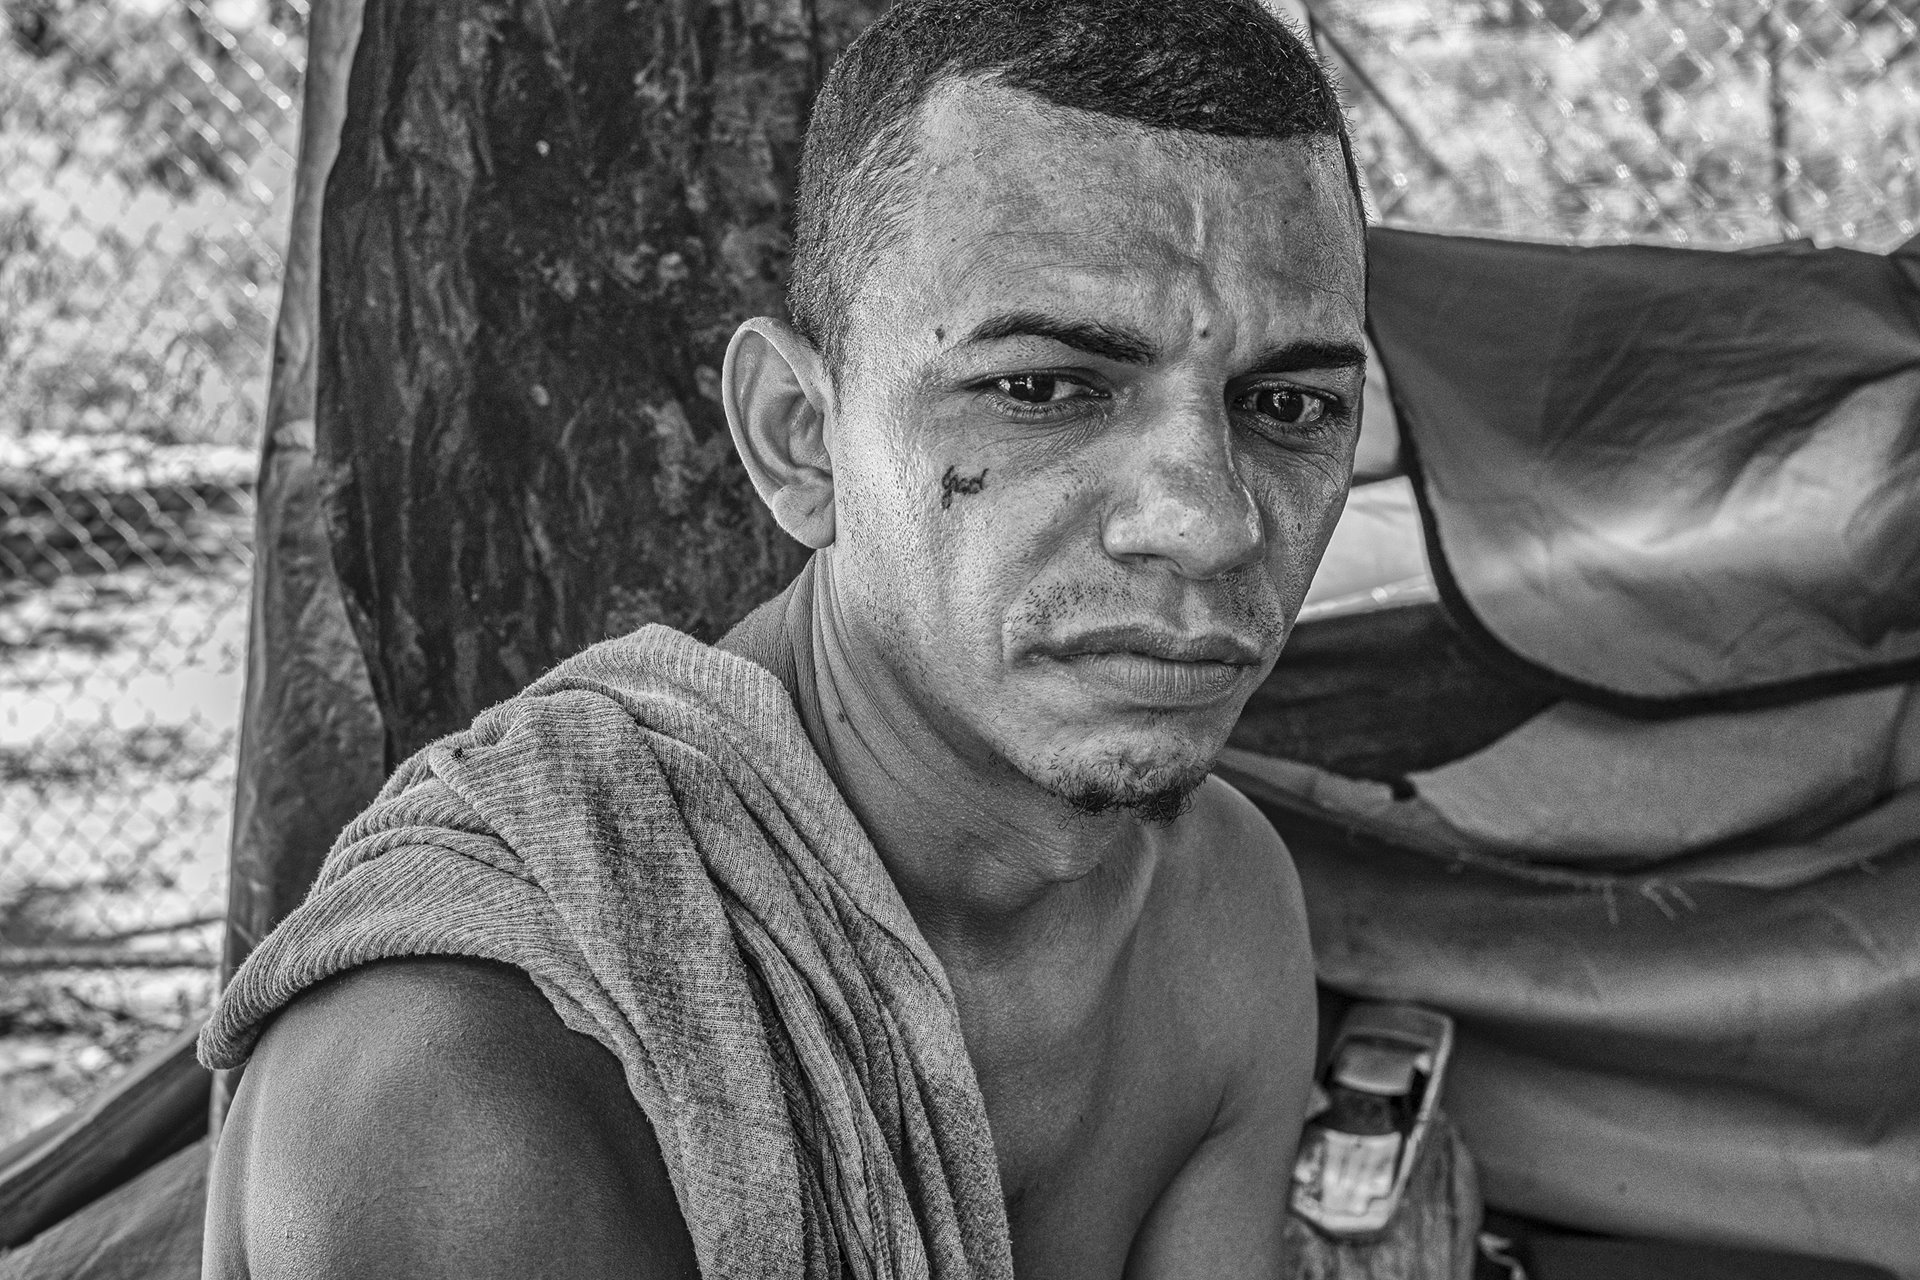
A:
{"x": 1089, "y": 220}
{"x": 1063, "y": 275}
{"x": 1174, "y": 256}
{"x": 1110, "y": 246}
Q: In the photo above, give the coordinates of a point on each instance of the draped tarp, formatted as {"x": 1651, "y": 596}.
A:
{"x": 312, "y": 746}
{"x": 1682, "y": 948}
{"x": 1665, "y": 479}
{"x": 1718, "y": 1048}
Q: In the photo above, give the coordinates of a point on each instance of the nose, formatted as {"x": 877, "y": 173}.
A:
{"x": 1181, "y": 499}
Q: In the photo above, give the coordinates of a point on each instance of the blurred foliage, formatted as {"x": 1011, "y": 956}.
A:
{"x": 1707, "y": 122}
{"x": 146, "y": 147}
{"x": 147, "y": 150}
{"x": 65, "y": 1034}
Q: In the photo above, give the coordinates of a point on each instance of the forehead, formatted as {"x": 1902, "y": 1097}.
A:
{"x": 1010, "y": 202}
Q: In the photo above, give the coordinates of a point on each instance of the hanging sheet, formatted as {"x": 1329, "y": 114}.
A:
{"x": 1664, "y": 480}
{"x": 1716, "y": 1044}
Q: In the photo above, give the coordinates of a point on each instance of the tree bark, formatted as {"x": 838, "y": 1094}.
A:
{"x": 545, "y": 221}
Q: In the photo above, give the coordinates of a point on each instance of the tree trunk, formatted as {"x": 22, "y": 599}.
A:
{"x": 546, "y": 218}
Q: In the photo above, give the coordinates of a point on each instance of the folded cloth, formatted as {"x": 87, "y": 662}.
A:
{"x": 649, "y": 834}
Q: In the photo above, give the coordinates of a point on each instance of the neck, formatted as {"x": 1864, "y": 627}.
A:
{"x": 993, "y": 868}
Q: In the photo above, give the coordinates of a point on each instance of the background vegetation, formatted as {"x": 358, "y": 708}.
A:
{"x": 1703, "y": 122}
{"x": 145, "y": 147}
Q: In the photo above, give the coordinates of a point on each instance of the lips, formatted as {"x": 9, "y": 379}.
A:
{"x": 1168, "y": 646}
{"x": 1156, "y": 668}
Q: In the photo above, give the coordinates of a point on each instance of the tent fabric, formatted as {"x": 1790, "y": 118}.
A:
{"x": 1668, "y": 480}
{"x": 1653, "y": 837}
{"x": 147, "y": 1114}
{"x": 1377, "y": 557}
{"x": 312, "y": 743}
{"x": 1582, "y": 787}
{"x": 1381, "y": 693}
{"x": 1716, "y": 1043}
{"x": 149, "y": 1229}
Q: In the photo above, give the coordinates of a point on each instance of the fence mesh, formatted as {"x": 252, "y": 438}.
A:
{"x": 1695, "y": 122}
{"x": 146, "y": 160}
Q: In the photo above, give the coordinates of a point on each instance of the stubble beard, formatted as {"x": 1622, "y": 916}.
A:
{"x": 1158, "y": 793}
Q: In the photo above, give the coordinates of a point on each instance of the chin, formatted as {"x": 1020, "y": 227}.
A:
{"x": 1154, "y": 780}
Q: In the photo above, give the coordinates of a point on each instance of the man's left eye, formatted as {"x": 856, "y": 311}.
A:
{"x": 1290, "y": 405}
{"x": 1035, "y": 388}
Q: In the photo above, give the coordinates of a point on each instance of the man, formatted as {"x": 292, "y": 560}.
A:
{"x": 1067, "y": 408}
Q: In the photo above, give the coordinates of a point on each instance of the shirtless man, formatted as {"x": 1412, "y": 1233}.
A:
{"x": 1069, "y": 419}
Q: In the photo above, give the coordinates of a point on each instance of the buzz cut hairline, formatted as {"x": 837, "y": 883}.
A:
{"x": 1201, "y": 68}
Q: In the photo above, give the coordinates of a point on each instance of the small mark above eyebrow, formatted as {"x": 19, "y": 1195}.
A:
{"x": 1094, "y": 337}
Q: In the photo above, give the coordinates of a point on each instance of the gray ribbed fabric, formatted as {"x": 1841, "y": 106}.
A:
{"x": 648, "y": 833}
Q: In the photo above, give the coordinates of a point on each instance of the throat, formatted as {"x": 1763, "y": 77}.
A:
{"x": 991, "y": 867}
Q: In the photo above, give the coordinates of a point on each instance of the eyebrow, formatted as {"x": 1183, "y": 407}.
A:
{"x": 1131, "y": 347}
{"x": 1091, "y": 336}
{"x": 1310, "y": 353}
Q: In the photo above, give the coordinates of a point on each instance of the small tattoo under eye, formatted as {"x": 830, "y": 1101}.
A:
{"x": 952, "y": 482}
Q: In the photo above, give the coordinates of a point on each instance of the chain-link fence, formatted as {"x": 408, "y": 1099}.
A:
{"x": 145, "y": 161}
{"x": 145, "y": 165}
{"x": 1698, "y": 122}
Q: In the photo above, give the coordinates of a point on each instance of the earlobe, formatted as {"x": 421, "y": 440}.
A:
{"x": 779, "y": 399}
{"x": 801, "y": 512}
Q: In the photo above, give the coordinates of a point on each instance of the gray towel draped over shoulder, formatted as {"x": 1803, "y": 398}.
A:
{"x": 649, "y": 834}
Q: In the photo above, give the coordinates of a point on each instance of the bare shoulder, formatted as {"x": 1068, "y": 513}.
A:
{"x": 1244, "y": 1009}
{"x": 434, "y": 1117}
{"x": 1242, "y": 870}
{"x": 1237, "y": 926}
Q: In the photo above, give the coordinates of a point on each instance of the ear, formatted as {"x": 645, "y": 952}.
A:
{"x": 778, "y": 397}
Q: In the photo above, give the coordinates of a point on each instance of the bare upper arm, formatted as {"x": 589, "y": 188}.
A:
{"x": 1224, "y": 1212}
{"x": 434, "y": 1118}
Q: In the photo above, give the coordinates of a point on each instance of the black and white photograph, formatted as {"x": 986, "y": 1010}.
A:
{"x": 960, "y": 640}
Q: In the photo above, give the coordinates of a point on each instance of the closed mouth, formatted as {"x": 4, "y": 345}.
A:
{"x": 1156, "y": 668}
{"x": 1165, "y": 646}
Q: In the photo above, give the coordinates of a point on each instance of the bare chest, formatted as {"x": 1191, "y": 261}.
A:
{"x": 1091, "y": 1121}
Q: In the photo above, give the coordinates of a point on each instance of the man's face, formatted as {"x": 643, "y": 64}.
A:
{"x": 1094, "y": 427}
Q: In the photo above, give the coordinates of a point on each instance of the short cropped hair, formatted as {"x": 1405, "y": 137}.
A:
{"x": 1223, "y": 67}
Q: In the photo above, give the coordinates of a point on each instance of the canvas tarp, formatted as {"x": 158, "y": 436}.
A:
{"x": 1719, "y": 1048}
{"x": 1670, "y": 889}
{"x": 1665, "y": 479}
